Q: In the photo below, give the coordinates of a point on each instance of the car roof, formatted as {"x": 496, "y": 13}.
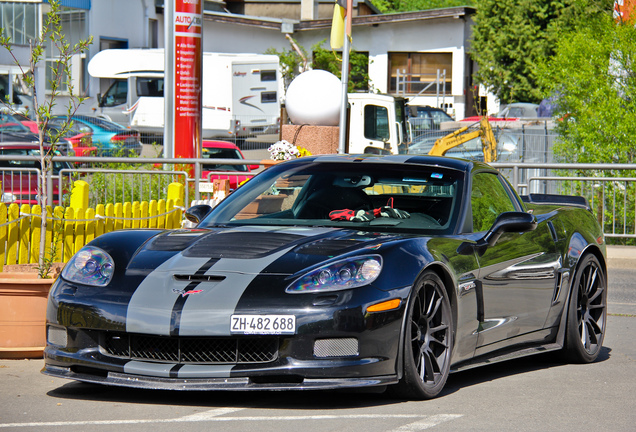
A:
{"x": 20, "y": 145}
{"x": 438, "y": 161}
{"x": 218, "y": 144}
{"x": 96, "y": 121}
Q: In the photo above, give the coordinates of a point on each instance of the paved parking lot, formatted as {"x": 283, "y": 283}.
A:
{"x": 533, "y": 394}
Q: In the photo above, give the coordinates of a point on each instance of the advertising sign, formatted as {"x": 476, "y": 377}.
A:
{"x": 187, "y": 50}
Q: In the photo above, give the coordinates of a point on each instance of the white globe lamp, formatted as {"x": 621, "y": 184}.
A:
{"x": 313, "y": 98}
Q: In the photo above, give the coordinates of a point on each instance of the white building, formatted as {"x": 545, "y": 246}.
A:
{"x": 418, "y": 43}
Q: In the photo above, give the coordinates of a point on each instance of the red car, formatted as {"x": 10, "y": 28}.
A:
{"x": 19, "y": 180}
{"x": 224, "y": 150}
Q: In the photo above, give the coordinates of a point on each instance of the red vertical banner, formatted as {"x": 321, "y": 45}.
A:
{"x": 188, "y": 60}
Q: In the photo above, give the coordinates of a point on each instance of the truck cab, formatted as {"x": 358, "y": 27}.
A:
{"x": 377, "y": 124}
{"x": 118, "y": 104}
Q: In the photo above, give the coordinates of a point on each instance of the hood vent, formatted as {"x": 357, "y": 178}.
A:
{"x": 240, "y": 245}
{"x": 198, "y": 278}
{"x": 327, "y": 247}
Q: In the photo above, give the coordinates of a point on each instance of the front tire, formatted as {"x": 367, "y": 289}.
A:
{"x": 428, "y": 341}
{"x": 587, "y": 313}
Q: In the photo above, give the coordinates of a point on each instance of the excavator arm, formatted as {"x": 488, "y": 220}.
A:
{"x": 460, "y": 136}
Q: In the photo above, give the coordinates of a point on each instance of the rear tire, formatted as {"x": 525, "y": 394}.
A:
{"x": 587, "y": 312}
{"x": 428, "y": 341}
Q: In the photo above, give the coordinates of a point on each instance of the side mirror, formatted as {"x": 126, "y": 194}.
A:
{"x": 509, "y": 222}
{"x": 99, "y": 99}
{"x": 197, "y": 213}
{"x": 253, "y": 167}
{"x": 505, "y": 222}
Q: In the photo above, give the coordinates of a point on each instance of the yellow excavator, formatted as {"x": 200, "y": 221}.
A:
{"x": 460, "y": 136}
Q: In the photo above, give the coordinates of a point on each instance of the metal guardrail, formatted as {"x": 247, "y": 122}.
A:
{"x": 609, "y": 188}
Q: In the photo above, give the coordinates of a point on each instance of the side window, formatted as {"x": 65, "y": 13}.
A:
{"x": 376, "y": 122}
{"x": 149, "y": 87}
{"x": 488, "y": 199}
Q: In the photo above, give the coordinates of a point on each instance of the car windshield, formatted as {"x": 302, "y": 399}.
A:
{"x": 363, "y": 196}
{"x": 222, "y": 153}
{"x": 8, "y": 123}
{"x": 100, "y": 123}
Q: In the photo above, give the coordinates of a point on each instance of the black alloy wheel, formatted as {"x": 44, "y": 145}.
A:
{"x": 428, "y": 342}
{"x": 587, "y": 312}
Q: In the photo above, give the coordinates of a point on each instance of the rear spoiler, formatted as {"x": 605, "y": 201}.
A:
{"x": 550, "y": 199}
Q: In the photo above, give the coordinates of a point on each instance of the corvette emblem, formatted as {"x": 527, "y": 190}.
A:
{"x": 184, "y": 293}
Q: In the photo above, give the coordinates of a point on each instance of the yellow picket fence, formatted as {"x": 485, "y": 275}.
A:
{"x": 71, "y": 229}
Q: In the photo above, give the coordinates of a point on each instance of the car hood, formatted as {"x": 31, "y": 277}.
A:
{"x": 249, "y": 249}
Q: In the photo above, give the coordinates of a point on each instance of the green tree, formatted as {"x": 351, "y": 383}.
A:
{"x": 593, "y": 75}
{"x": 331, "y": 61}
{"x": 593, "y": 80}
{"x": 292, "y": 63}
{"x": 510, "y": 38}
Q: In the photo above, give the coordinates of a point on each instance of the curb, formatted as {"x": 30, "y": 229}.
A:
{"x": 621, "y": 252}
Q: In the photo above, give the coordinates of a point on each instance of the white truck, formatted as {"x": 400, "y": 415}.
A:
{"x": 240, "y": 92}
{"x": 377, "y": 124}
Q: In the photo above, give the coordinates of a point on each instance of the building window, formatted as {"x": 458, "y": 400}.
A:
{"x": 19, "y": 21}
{"x": 418, "y": 73}
{"x": 74, "y": 28}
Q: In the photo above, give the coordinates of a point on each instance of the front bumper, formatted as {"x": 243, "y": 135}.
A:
{"x": 279, "y": 382}
{"x": 336, "y": 345}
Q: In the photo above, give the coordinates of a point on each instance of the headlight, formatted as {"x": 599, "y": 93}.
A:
{"x": 349, "y": 273}
{"x": 90, "y": 266}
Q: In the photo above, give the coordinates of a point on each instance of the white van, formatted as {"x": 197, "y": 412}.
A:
{"x": 240, "y": 92}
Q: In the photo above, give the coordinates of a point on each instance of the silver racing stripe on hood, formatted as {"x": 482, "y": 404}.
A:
{"x": 163, "y": 305}
{"x": 150, "y": 307}
{"x": 209, "y": 312}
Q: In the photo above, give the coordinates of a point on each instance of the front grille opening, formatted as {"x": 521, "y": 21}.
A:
{"x": 190, "y": 350}
{"x": 89, "y": 371}
{"x": 277, "y": 379}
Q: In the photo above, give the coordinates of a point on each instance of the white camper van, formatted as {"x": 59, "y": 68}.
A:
{"x": 240, "y": 92}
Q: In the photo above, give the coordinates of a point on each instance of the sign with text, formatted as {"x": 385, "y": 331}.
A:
{"x": 188, "y": 51}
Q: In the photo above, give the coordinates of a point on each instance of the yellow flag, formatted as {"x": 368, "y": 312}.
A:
{"x": 337, "y": 27}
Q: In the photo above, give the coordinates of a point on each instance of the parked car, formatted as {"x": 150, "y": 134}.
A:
{"x": 518, "y": 110}
{"x": 224, "y": 150}
{"x": 427, "y": 117}
{"x": 77, "y": 138}
{"x": 336, "y": 271}
{"x": 110, "y": 139}
{"x": 31, "y": 124}
{"x": 13, "y": 129}
{"x": 20, "y": 179}
{"x": 507, "y": 147}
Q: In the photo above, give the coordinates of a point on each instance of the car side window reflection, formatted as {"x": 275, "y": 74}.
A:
{"x": 489, "y": 199}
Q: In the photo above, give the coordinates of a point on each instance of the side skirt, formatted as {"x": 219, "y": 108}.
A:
{"x": 506, "y": 355}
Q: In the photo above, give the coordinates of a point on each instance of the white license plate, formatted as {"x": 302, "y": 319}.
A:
{"x": 263, "y": 324}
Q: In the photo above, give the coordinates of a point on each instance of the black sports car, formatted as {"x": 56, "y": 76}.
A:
{"x": 336, "y": 271}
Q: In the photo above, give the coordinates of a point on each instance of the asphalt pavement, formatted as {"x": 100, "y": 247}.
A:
{"x": 532, "y": 394}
